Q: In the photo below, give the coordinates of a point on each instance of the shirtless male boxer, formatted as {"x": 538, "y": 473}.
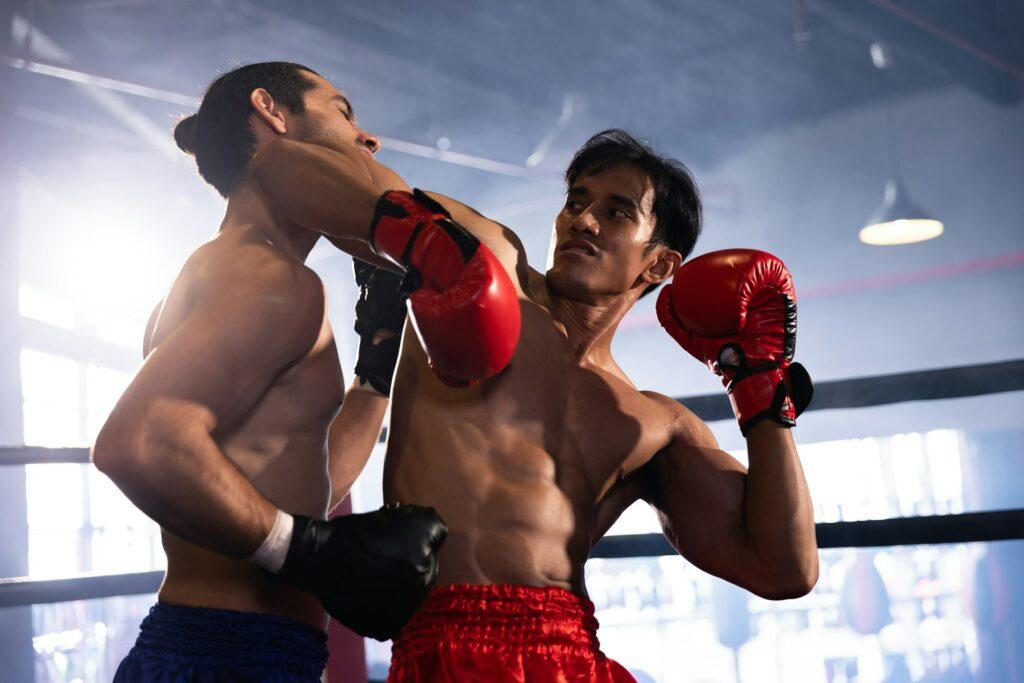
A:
{"x": 531, "y": 466}
{"x": 230, "y": 435}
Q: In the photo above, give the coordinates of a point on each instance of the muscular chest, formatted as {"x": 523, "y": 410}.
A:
{"x": 591, "y": 425}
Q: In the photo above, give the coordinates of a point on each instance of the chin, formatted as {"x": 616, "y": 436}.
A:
{"x": 569, "y": 285}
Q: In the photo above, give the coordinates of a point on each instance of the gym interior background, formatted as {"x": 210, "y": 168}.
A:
{"x": 795, "y": 118}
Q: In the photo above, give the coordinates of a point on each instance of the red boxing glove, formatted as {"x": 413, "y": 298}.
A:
{"x": 735, "y": 310}
{"x": 464, "y": 306}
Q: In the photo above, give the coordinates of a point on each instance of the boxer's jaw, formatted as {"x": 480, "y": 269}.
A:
{"x": 330, "y": 119}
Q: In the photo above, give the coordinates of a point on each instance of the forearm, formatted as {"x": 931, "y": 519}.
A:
{"x": 353, "y": 436}
{"x": 362, "y": 251}
{"x": 323, "y": 189}
{"x": 777, "y": 511}
{"x": 184, "y": 482}
{"x": 384, "y": 179}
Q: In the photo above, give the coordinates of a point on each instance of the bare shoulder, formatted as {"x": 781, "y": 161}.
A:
{"x": 257, "y": 274}
{"x": 500, "y": 239}
{"x": 250, "y": 287}
{"x": 688, "y": 429}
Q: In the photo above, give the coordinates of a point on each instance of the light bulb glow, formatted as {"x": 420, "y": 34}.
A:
{"x": 901, "y": 231}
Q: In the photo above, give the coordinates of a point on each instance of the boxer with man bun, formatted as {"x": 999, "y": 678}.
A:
{"x": 531, "y": 465}
{"x": 237, "y": 435}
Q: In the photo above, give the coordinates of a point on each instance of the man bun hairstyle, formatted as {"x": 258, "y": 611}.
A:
{"x": 676, "y": 207}
{"x": 219, "y": 135}
{"x": 184, "y": 133}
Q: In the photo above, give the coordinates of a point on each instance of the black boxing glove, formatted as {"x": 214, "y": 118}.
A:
{"x": 370, "y": 571}
{"x": 381, "y": 306}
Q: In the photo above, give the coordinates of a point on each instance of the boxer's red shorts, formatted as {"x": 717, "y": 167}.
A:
{"x": 502, "y": 634}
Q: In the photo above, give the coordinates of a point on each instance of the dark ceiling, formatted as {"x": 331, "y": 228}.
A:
{"x": 701, "y": 79}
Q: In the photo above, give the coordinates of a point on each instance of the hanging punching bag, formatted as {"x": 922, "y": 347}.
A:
{"x": 730, "y": 613}
{"x": 865, "y": 599}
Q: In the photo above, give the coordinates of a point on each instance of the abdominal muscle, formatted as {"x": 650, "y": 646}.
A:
{"x": 509, "y": 521}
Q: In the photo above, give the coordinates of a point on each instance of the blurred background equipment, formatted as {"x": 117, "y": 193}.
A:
{"x": 793, "y": 123}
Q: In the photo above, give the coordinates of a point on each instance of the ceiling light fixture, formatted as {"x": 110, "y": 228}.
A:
{"x": 898, "y": 219}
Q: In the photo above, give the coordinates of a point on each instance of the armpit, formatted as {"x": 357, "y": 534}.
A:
{"x": 618, "y": 498}
{"x": 686, "y": 426}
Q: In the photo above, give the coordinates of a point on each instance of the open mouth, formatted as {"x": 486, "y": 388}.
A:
{"x": 580, "y": 246}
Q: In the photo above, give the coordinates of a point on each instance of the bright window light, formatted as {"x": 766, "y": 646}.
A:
{"x": 909, "y": 470}
{"x": 126, "y": 332}
{"x": 50, "y": 387}
{"x": 38, "y": 304}
{"x": 54, "y": 495}
{"x": 48, "y": 378}
{"x": 943, "y": 448}
{"x": 43, "y": 425}
{"x": 53, "y": 554}
{"x": 103, "y": 387}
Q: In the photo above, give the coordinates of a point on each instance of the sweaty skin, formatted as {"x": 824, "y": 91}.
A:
{"x": 530, "y": 468}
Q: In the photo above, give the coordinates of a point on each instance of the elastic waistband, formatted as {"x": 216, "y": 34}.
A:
{"x": 215, "y": 636}
{"x": 502, "y": 617}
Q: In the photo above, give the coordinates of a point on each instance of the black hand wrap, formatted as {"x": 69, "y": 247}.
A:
{"x": 381, "y": 306}
{"x": 370, "y": 571}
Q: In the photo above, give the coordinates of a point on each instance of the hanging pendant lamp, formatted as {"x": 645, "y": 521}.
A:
{"x": 899, "y": 220}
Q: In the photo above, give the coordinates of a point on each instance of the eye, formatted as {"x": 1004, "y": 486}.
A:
{"x": 620, "y": 215}
{"x": 573, "y": 206}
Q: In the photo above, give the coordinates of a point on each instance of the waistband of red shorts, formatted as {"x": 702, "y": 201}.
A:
{"x": 502, "y": 617}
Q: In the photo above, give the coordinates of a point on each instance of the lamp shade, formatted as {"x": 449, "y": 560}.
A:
{"x": 898, "y": 220}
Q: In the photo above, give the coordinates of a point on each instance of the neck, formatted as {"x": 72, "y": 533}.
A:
{"x": 590, "y": 326}
{"x": 249, "y": 209}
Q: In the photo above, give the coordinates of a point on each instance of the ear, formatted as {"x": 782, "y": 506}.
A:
{"x": 663, "y": 267}
{"x": 267, "y": 112}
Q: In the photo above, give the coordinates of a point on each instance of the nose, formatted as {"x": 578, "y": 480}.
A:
{"x": 585, "y": 221}
{"x": 371, "y": 141}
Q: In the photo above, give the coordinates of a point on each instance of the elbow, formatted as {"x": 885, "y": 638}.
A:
{"x": 790, "y": 590}
{"x": 116, "y": 450}
{"x": 105, "y": 451}
{"x": 797, "y": 582}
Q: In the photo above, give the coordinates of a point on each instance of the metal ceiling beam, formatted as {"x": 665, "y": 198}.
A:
{"x": 37, "y": 43}
{"x": 950, "y": 38}
{"x": 95, "y": 86}
{"x": 927, "y": 42}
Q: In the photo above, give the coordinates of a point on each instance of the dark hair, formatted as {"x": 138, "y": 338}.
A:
{"x": 677, "y": 207}
{"x": 219, "y": 135}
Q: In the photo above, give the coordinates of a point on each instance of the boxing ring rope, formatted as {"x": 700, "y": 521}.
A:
{"x": 864, "y": 392}
{"x": 21, "y": 591}
{"x": 860, "y": 392}
{"x": 926, "y": 385}
{"x": 970, "y": 527}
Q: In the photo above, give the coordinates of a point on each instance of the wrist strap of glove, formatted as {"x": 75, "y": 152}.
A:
{"x": 301, "y": 548}
{"x": 375, "y": 363}
{"x": 400, "y": 216}
{"x": 272, "y": 552}
{"x": 761, "y": 394}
